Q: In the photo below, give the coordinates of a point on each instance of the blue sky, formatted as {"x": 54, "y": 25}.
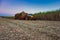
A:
{"x": 12, "y": 7}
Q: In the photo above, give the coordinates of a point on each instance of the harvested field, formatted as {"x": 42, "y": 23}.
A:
{"x": 29, "y": 30}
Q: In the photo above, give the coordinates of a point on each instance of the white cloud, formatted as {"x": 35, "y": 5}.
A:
{"x": 6, "y": 7}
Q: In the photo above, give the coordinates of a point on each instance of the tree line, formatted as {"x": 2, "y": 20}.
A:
{"x": 49, "y": 15}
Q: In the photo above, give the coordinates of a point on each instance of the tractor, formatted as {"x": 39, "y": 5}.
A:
{"x": 23, "y": 16}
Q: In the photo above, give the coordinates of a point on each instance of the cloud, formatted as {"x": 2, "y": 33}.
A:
{"x": 16, "y": 6}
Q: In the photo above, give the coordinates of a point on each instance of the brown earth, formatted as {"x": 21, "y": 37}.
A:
{"x": 29, "y": 30}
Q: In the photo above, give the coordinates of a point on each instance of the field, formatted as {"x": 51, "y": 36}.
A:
{"x": 29, "y": 30}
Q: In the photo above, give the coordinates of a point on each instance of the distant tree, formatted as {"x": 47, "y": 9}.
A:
{"x": 49, "y": 15}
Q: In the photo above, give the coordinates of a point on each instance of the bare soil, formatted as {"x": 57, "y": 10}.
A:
{"x": 29, "y": 30}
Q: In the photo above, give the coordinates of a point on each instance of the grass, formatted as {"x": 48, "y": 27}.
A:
{"x": 8, "y": 17}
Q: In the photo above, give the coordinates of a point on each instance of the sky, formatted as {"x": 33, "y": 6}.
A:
{"x": 11, "y": 7}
